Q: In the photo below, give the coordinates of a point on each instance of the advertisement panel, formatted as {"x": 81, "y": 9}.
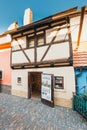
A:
{"x": 46, "y": 90}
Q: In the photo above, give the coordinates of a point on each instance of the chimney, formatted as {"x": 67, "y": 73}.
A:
{"x": 28, "y": 16}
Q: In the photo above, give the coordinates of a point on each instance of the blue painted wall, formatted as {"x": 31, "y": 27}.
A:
{"x": 81, "y": 81}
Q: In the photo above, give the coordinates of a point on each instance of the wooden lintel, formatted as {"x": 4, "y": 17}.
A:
{"x": 28, "y": 32}
{"x": 17, "y": 35}
{"x": 58, "y": 23}
{"x": 41, "y": 28}
{"x": 40, "y": 66}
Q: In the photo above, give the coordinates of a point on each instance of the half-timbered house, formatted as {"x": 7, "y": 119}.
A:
{"x": 42, "y": 55}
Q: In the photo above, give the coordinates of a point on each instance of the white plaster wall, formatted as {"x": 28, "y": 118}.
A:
{"x": 66, "y": 72}
{"x": 74, "y": 27}
{"x": 40, "y": 52}
{"x": 30, "y": 54}
{"x": 58, "y": 51}
{"x": 69, "y": 80}
{"x": 84, "y": 30}
{"x": 21, "y": 41}
{"x": 16, "y": 47}
{"x": 23, "y": 86}
{"x": 18, "y": 57}
{"x": 74, "y": 23}
{"x": 82, "y": 47}
{"x": 5, "y": 39}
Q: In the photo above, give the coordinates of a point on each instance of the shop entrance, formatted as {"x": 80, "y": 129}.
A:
{"x": 34, "y": 84}
{"x": 40, "y": 86}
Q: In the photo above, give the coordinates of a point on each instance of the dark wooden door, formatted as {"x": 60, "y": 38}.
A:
{"x": 34, "y": 83}
{"x": 29, "y": 85}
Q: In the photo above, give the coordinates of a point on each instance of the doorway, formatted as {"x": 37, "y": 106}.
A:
{"x": 34, "y": 84}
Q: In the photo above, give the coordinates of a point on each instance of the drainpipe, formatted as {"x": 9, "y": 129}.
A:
{"x": 76, "y": 78}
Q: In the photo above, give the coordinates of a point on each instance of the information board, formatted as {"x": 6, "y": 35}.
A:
{"x": 47, "y": 89}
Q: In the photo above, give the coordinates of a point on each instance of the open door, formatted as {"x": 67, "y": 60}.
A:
{"x": 47, "y": 89}
{"x": 29, "y": 85}
{"x": 34, "y": 84}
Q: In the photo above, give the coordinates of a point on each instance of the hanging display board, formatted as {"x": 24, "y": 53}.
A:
{"x": 47, "y": 89}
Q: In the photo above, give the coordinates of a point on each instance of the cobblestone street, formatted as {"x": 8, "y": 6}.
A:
{"x": 30, "y": 114}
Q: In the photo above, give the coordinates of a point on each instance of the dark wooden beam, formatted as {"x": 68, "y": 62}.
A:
{"x": 35, "y": 50}
{"x": 70, "y": 40}
{"x": 41, "y": 66}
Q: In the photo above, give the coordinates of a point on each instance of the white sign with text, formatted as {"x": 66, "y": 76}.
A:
{"x": 46, "y": 87}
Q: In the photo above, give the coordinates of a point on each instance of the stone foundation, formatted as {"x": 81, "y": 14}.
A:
{"x": 5, "y": 89}
{"x": 20, "y": 93}
{"x": 63, "y": 102}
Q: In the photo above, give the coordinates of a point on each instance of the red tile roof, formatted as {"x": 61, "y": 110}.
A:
{"x": 79, "y": 59}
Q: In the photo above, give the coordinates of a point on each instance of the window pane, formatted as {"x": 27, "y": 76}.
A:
{"x": 40, "y": 41}
{"x": 31, "y": 43}
{"x": 59, "y": 82}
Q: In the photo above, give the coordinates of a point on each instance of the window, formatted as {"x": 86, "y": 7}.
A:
{"x": 31, "y": 42}
{"x": 18, "y": 79}
{"x": 40, "y": 40}
{"x": 0, "y": 75}
{"x": 59, "y": 82}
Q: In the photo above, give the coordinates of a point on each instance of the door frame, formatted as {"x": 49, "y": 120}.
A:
{"x": 29, "y": 82}
{"x": 44, "y": 101}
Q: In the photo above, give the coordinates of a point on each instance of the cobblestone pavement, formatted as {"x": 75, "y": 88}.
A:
{"x": 29, "y": 114}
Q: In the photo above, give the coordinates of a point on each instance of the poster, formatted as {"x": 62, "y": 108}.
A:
{"x": 46, "y": 87}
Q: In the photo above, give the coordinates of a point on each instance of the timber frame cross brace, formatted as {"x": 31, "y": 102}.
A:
{"x": 51, "y": 43}
{"x": 23, "y": 51}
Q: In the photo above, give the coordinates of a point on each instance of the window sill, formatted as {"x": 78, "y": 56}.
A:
{"x": 59, "y": 90}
